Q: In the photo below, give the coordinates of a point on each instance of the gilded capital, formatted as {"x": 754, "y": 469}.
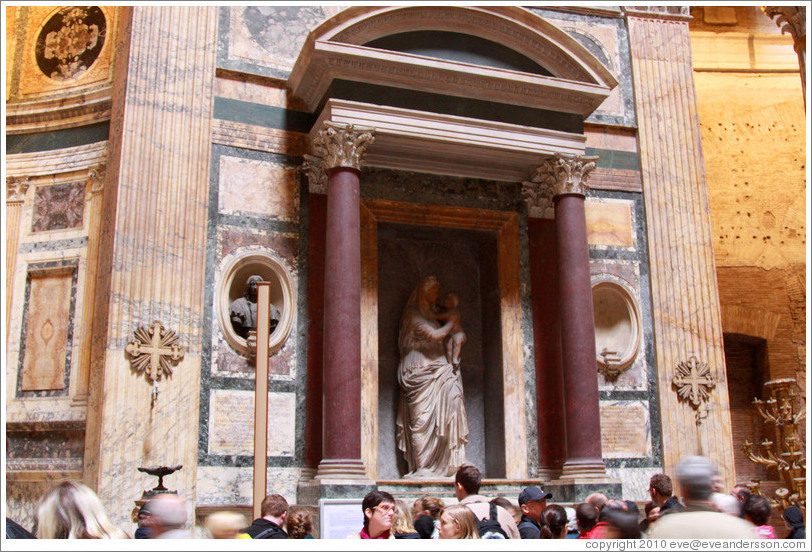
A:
{"x": 342, "y": 145}
{"x": 790, "y": 19}
{"x": 565, "y": 174}
{"x": 16, "y": 187}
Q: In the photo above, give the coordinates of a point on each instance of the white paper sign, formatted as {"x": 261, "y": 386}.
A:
{"x": 340, "y": 517}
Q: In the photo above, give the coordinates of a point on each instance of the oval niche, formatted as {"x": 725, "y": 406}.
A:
{"x": 617, "y": 328}
{"x": 232, "y": 286}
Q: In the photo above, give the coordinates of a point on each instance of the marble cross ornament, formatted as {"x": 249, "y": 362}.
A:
{"x": 152, "y": 352}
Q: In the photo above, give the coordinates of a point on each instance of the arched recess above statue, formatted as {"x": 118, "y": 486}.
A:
{"x": 336, "y": 50}
{"x": 445, "y": 116}
{"x": 235, "y": 270}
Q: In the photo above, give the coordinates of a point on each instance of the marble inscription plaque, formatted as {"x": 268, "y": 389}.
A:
{"x": 609, "y": 223}
{"x": 46, "y": 333}
{"x": 624, "y": 429}
{"x": 231, "y": 423}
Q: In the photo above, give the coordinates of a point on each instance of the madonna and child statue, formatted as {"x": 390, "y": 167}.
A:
{"x": 432, "y": 427}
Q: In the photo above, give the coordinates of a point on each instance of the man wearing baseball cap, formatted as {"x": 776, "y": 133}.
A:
{"x": 532, "y": 501}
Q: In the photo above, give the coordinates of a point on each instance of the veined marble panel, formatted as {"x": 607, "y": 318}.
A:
{"x": 228, "y": 486}
{"x": 635, "y": 481}
{"x": 601, "y": 39}
{"x": 231, "y": 423}
{"x": 264, "y": 93}
{"x": 267, "y": 39}
{"x": 610, "y": 223}
{"x": 260, "y": 187}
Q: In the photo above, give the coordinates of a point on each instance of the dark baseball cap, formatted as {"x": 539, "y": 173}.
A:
{"x": 533, "y": 493}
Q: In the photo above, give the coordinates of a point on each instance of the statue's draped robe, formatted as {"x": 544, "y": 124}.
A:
{"x": 432, "y": 427}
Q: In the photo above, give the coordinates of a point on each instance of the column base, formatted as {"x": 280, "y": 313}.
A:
{"x": 342, "y": 470}
{"x": 583, "y": 470}
{"x": 548, "y": 474}
{"x": 335, "y": 479}
{"x": 581, "y": 478}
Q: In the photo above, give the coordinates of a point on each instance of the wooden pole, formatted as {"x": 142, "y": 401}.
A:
{"x": 261, "y": 397}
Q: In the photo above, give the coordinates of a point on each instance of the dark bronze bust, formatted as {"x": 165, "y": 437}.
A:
{"x": 243, "y": 311}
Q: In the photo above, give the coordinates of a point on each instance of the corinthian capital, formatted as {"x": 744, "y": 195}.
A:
{"x": 565, "y": 174}
{"x": 313, "y": 167}
{"x": 790, "y": 19}
{"x": 95, "y": 178}
{"x": 16, "y": 187}
{"x": 342, "y": 145}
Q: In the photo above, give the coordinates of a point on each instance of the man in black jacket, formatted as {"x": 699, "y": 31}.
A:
{"x": 532, "y": 501}
{"x": 274, "y": 510}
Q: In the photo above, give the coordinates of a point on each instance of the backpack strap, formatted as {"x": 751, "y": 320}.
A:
{"x": 265, "y": 533}
{"x": 494, "y": 516}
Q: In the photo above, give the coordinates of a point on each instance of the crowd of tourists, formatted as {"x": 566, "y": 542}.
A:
{"x": 701, "y": 509}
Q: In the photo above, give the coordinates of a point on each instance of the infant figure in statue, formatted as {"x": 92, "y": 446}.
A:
{"x": 456, "y": 336}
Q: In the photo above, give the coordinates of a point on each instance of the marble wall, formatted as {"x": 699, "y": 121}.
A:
{"x": 255, "y": 208}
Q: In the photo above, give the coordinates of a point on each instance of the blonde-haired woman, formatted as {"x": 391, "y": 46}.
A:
{"x": 403, "y": 526}
{"x": 72, "y": 510}
{"x": 458, "y": 522}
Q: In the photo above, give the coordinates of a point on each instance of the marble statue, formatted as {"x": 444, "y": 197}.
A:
{"x": 456, "y": 336}
{"x": 432, "y": 427}
{"x": 243, "y": 310}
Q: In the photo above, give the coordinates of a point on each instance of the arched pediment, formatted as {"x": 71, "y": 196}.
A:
{"x": 573, "y": 80}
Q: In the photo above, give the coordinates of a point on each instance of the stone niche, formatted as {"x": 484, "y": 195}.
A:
{"x": 617, "y": 328}
{"x": 236, "y": 270}
{"x": 465, "y": 262}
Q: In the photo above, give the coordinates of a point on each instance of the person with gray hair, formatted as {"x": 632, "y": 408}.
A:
{"x": 699, "y": 519}
{"x": 166, "y": 518}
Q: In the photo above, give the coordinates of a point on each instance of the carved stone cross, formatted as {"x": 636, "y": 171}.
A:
{"x": 694, "y": 381}
{"x": 152, "y": 352}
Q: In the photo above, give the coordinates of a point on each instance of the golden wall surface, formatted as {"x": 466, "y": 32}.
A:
{"x": 751, "y": 109}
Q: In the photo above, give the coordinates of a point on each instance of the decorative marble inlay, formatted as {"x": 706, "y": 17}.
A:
{"x": 694, "y": 381}
{"x": 70, "y": 42}
{"x": 341, "y": 145}
{"x": 31, "y": 450}
{"x": 153, "y": 351}
{"x": 46, "y": 332}
{"x": 58, "y": 207}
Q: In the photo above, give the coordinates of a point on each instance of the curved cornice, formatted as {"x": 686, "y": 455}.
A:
{"x": 334, "y": 50}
